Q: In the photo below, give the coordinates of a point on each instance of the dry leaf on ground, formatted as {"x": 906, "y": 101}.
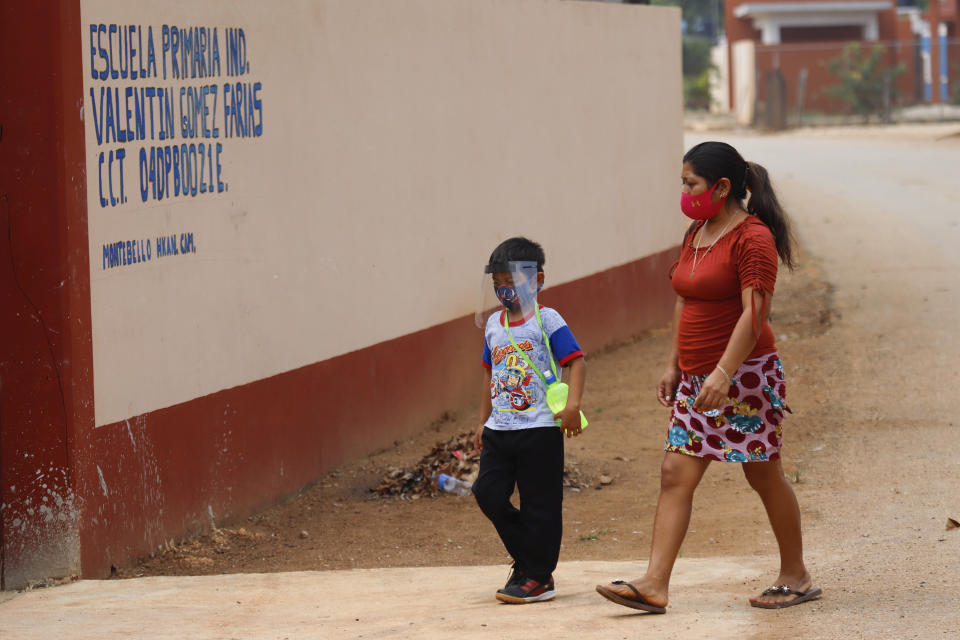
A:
{"x": 456, "y": 457}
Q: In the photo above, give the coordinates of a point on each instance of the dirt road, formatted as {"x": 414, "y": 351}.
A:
{"x": 879, "y": 389}
{"x": 867, "y": 330}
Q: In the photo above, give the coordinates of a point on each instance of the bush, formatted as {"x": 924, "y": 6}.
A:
{"x": 696, "y": 91}
{"x": 863, "y": 80}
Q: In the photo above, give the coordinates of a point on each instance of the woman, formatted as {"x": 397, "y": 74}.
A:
{"x": 724, "y": 379}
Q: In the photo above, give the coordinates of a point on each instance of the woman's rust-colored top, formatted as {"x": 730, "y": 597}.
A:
{"x": 745, "y": 257}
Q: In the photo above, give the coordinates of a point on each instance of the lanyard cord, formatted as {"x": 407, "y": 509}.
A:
{"x": 546, "y": 341}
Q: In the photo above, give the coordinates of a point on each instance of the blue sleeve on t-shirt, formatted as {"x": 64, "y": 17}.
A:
{"x": 564, "y": 345}
{"x": 487, "y": 359}
{"x": 562, "y": 342}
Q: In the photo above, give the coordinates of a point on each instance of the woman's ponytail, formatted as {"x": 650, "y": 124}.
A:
{"x": 714, "y": 160}
{"x": 764, "y": 204}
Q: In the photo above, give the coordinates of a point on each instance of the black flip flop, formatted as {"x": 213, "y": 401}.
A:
{"x": 802, "y": 596}
{"x": 636, "y": 602}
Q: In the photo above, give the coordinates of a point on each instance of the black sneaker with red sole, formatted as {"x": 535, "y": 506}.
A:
{"x": 527, "y": 590}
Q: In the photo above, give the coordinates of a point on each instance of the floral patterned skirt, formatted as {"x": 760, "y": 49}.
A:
{"x": 746, "y": 429}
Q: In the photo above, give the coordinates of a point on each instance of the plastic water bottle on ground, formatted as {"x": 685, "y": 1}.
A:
{"x": 453, "y": 485}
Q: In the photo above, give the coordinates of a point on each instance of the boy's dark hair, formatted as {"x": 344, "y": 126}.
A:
{"x": 519, "y": 249}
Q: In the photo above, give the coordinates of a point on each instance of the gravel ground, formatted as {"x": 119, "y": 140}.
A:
{"x": 867, "y": 329}
{"x": 866, "y": 326}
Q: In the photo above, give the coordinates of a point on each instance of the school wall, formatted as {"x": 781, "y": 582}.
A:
{"x": 45, "y": 355}
{"x": 245, "y": 273}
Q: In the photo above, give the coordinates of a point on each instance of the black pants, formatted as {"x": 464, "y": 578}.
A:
{"x": 531, "y": 459}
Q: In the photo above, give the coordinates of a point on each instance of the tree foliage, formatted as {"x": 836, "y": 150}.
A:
{"x": 696, "y": 72}
{"x": 696, "y": 56}
{"x": 697, "y": 65}
{"x": 693, "y": 9}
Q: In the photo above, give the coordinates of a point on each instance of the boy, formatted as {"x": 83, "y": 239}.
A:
{"x": 519, "y": 440}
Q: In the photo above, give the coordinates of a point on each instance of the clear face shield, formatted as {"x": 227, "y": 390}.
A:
{"x": 507, "y": 285}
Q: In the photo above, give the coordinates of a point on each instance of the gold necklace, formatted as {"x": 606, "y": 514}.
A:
{"x": 696, "y": 249}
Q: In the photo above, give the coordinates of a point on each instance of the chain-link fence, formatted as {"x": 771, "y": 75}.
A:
{"x": 809, "y": 83}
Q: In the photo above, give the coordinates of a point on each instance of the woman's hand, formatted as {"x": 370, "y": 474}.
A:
{"x": 713, "y": 392}
{"x": 667, "y": 386}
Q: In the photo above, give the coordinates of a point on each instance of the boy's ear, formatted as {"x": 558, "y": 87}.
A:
{"x": 539, "y": 279}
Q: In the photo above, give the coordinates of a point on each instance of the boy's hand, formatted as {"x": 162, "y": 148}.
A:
{"x": 478, "y": 438}
{"x": 569, "y": 419}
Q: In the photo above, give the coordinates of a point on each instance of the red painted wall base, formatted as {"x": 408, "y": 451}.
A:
{"x": 121, "y": 490}
{"x": 165, "y": 473}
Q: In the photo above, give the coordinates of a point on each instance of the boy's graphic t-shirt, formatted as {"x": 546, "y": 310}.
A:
{"x": 516, "y": 391}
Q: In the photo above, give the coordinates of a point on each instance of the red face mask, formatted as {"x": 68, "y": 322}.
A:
{"x": 700, "y": 207}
